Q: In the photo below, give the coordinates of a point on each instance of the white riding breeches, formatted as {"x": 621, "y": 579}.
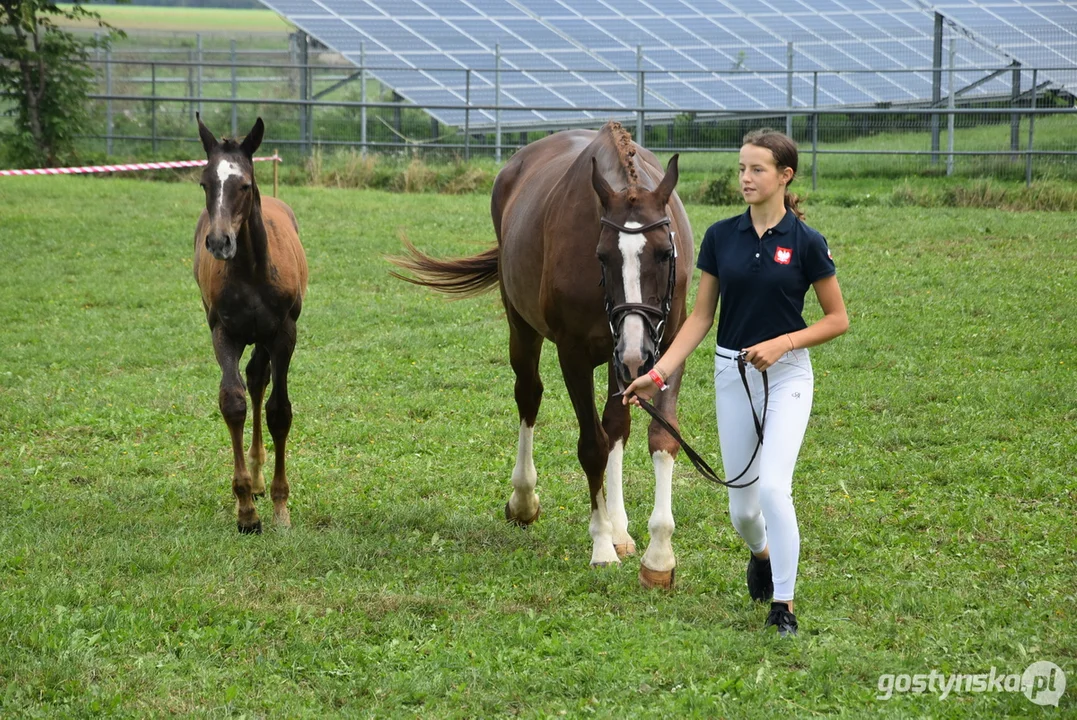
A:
{"x": 763, "y": 513}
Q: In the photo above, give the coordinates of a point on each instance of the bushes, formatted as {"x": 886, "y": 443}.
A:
{"x": 1045, "y": 195}
{"x": 350, "y": 169}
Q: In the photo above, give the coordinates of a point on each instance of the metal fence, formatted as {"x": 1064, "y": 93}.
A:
{"x": 144, "y": 108}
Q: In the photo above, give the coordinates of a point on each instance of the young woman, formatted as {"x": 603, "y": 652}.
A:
{"x": 761, "y": 264}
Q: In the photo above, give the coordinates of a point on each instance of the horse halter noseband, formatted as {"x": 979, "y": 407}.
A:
{"x": 654, "y": 318}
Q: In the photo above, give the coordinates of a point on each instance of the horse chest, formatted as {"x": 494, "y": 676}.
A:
{"x": 250, "y": 314}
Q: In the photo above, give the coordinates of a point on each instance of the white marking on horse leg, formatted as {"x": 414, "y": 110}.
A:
{"x": 524, "y": 503}
{"x": 601, "y": 530}
{"x": 256, "y": 460}
{"x": 659, "y": 555}
{"x": 615, "y": 501}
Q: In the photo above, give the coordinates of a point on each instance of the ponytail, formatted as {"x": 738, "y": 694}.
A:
{"x": 792, "y": 201}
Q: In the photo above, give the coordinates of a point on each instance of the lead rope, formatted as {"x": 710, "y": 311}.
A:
{"x": 700, "y": 464}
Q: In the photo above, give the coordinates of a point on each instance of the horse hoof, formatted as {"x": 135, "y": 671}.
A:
{"x": 517, "y": 521}
{"x": 255, "y": 529}
{"x": 649, "y": 579}
{"x": 604, "y": 564}
{"x": 625, "y": 550}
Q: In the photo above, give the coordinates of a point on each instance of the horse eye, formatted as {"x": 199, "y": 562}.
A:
{"x": 246, "y": 186}
{"x": 202, "y": 185}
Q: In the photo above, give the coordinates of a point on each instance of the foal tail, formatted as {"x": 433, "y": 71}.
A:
{"x": 463, "y": 277}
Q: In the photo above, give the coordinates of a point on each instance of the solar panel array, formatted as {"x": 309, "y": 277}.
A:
{"x": 708, "y": 55}
{"x": 1036, "y": 33}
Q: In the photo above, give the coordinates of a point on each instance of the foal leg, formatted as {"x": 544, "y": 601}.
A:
{"x": 525, "y": 348}
{"x": 617, "y": 422}
{"x": 232, "y": 399}
{"x": 279, "y": 419}
{"x": 592, "y": 449}
{"x": 658, "y": 564}
{"x": 257, "y": 379}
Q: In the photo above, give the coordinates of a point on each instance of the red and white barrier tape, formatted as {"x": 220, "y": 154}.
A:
{"x": 119, "y": 168}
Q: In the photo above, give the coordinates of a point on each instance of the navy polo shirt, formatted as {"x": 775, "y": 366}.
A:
{"x": 762, "y": 281}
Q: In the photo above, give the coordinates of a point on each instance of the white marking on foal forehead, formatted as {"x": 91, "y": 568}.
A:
{"x": 631, "y": 245}
{"x": 226, "y": 169}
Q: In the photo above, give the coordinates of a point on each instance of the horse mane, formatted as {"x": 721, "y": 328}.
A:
{"x": 626, "y": 153}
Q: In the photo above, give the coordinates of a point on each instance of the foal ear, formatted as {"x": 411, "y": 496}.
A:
{"x": 600, "y": 185}
{"x": 209, "y": 143}
{"x": 254, "y": 138}
{"x": 669, "y": 181}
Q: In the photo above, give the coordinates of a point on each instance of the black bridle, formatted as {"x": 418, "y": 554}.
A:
{"x": 655, "y": 320}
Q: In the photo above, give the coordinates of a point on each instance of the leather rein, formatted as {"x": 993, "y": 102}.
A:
{"x": 655, "y": 320}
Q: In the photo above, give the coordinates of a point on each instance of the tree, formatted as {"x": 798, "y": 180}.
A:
{"x": 45, "y": 71}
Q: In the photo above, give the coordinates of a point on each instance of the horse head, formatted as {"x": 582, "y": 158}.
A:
{"x": 638, "y": 259}
{"x": 228, "y": 181}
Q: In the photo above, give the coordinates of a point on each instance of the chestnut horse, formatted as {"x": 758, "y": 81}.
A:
{"x": 594, "y": 254}
{"x": 252, "y": 273}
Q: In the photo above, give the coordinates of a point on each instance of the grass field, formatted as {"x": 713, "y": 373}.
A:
{"x": 935, "y": 491}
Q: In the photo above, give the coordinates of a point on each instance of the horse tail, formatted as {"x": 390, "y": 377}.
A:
{"x": 463, "y": 277}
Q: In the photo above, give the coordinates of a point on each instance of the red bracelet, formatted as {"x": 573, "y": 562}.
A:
{"x": 653, "y": 375}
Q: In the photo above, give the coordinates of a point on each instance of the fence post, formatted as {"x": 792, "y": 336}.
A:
{"x": 497, "y": 102}
{"x": 789, "y": 89}
{"x": 1031, "y": 123}
{"x": 950, "y": 116}
{"x": 153, "y": 106}
{"x": 815, "y": 131}
{"x": 190, "y": 84}
{"x": 639, "y": 95}
{"x": 301, "y": 41}
{"x": 198, "y": 40}
{"x": 467, "y": 114}
{"x": 276, "y": 162}
{"x": 108, "y": 103}
{"x": 235, "y": 88}
{"x": 1015, "y": 119}
{"x": 936, "y": 86}
{"x": 362, "y": 99}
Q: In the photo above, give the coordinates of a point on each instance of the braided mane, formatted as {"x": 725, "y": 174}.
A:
{"x": 626, "y": 151}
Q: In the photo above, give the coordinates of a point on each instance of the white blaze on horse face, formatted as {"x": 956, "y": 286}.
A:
{"x": 631, "y": 246}
{"x": 225, "y": 169}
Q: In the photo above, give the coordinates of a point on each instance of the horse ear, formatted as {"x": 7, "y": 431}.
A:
{"x": 254, "y": 138}
{"x": 669, "y": 181}
{"x": 209, "y": 143}
{"x": 600, "y": 185}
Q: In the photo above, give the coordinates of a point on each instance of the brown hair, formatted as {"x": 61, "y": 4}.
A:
{"x": 784, "y": 150}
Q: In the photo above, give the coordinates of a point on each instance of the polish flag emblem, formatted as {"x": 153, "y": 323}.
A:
{"x": 783, "y": 255}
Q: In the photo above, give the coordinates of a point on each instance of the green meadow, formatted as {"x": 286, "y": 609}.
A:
{"x": 936, "y": 489}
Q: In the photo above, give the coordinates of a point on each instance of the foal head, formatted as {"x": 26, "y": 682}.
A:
{"x": 638, "y": 258}
{"x": 228, "y": 181}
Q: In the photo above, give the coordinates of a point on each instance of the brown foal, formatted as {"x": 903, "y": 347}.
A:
{"x": 252, "y": 273}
